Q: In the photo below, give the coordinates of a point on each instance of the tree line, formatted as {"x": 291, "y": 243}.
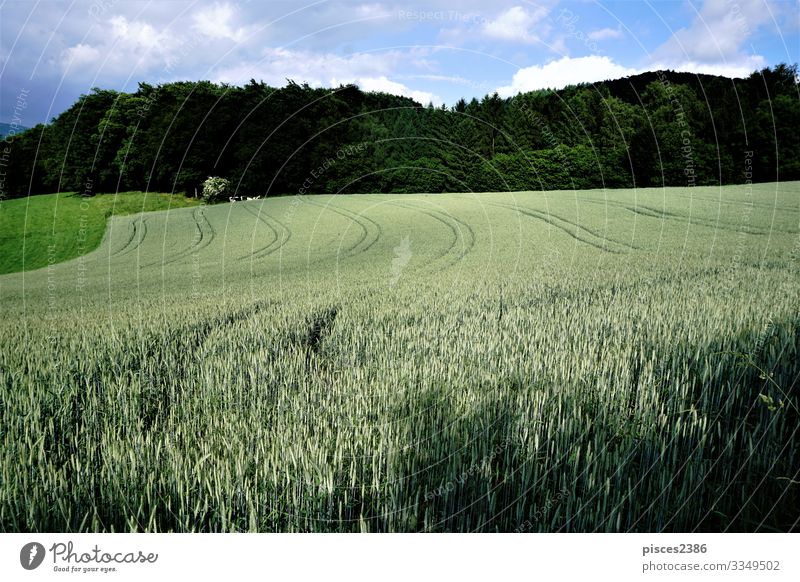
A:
{"x": 654, "y": 129}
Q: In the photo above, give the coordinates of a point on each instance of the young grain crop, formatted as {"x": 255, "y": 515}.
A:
{"x": 540, "y": 381}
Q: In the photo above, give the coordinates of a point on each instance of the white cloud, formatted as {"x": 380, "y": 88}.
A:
{"x": 134, "y": 33}
{"x": 384, "y": 85}
{"x": 216, "y": 22}
{"x": 558, "y": 45}
{"x": 740, "y": 68}
{"x": 80, "y": 55}
{"x": 127, "y": 46}
{"x": 565, "y": 71}
{"x": 717, "y": 35}
{"x": 605, "y": 34}
{"x": 452, "y": 79}
{"x": 370, "y": 71}
{"x": 138, "y": 36}
{"x": 314, "y": 68}
{"x": 515, "y": 24}
{"x": 373, "y": 11}
{"x": 572, "y": 71}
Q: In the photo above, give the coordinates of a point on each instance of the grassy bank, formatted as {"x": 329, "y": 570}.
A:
{"x": 53, "y": 228}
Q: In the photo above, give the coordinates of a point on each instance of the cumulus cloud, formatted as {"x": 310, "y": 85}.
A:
{"x": 314, "y": 68}
{"x": 515, "y": 24}
{"x": 127, "y": 46}
{"x": 369, "y": 11}
{"x": 80, "y": 55}
{"x": 713, "y": 43}
{"x": 716, "y": 37}
{"x": 136, "y": 34}
{"x": 739, "y": 68}
{"x": 217, "y": 22}
{"x": 572, "y": 71}
{"x": 565, "y": 71}
{"x": 133, "y": 45}
{"x": 384, "y": 85}
{"x": 370, "y": 71}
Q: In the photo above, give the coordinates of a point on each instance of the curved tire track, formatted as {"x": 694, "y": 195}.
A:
{"x": 602, "y": 236}
{"x": 205, "y": 236}
{"x": 548, "y": 218}
{"x": 659, "y": 214}
{"x": 138, "y": 234}
{"x": 366, "y": 240}
{"x": 275, "y": 244}
{"x": 744, "y": 203}
{"x": 454, "y": 224}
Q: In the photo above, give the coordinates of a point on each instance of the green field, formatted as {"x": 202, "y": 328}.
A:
{"x": 41, "y": 230}
{"x": 562, "y": 361}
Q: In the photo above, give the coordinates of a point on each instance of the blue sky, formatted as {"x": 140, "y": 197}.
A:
{"x": 439, "y": 51}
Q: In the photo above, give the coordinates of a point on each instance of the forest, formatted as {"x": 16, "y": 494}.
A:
{"x": 660, "y": 128}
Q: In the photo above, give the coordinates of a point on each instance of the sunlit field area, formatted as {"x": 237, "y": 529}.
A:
{"x": 566, "y": 361}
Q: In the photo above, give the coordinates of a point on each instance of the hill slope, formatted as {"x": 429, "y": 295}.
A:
{"x": 42, "y": 230}
{"x": 559, "y": 361}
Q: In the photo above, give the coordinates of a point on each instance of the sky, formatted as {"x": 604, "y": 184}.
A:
{"x": 433, "y": 51}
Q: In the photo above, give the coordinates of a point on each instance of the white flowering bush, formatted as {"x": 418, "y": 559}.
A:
{"x": 215, "y": 189}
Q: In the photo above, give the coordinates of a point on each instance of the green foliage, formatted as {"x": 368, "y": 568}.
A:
{"x": 461, "y": 362}
{"x": 653, "y": 129}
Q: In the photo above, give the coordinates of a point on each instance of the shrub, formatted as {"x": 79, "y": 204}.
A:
{"x": 216, "y": 189}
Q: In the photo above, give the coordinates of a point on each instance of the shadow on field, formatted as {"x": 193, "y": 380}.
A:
{"x": 139, "y": 437}
{"x": 696, "y": 446}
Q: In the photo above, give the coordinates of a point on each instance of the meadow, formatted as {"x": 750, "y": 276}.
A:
{"x": 565, "y": 361}
{"x": 42, "y": 230}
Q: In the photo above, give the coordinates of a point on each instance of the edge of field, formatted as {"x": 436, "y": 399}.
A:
{"x": 52, "y": 228}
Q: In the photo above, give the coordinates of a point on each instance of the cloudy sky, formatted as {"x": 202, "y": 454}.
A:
{"x": 52, "y": 51}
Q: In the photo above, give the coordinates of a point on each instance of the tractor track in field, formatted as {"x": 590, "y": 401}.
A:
{"x": 659, "y": 214}
{"x": 548, "y": 218}
{"x": 202, "y": 240}
{"x": 454, "y": 225}
{"x": 666, "y": 215}
{"x": 366, "y": 239}
{"x": 205, "y": 329}
{"x": 138, "y": 234}
{"x": 602, "y": 236}
{"x": 132, "y": 230}
{"x": 712, "y": 224}
{"x": 275, "y": 244}
{"x": 453, "y": 231}
{"x": 127, "y": 243}
{"x": 744, "y": 203}
{"x": 194, "y": 338}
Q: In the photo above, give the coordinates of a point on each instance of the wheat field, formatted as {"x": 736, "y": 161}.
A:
{"x": 621, "y": 360}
